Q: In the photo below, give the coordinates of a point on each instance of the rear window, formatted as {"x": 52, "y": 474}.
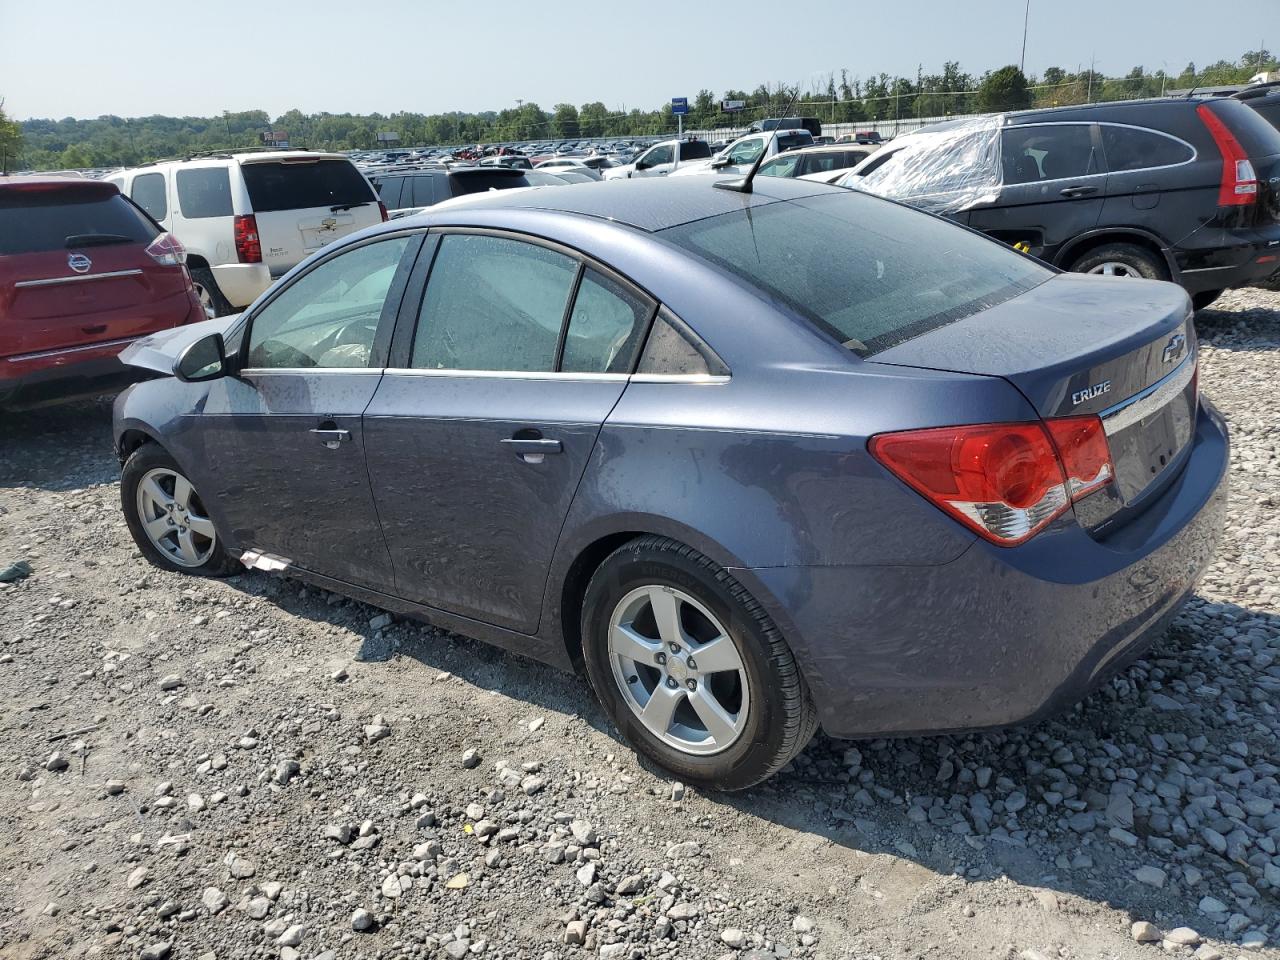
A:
{"x": 695, "y": 150}
{"x": 38, "y": 222}
{"x": 1256, "y": 135}
{"x": 790, "y": 141}
{"x": 295, "y": 185}
{"x": 1269, "y": 111}
{"x": 480, "y": 182}
{"x": 870, "y": 274}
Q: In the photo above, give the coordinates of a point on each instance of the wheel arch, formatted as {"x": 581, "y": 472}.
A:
{"x": 131, "y": 438}
{"x": 1078, "y": 247}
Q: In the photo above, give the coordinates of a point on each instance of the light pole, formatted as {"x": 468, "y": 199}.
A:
{"x": 1026, "y": 17}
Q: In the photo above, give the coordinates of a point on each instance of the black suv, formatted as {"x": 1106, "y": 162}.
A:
{"x": 1170, "y": 189}
{"x": 408, "y": 191}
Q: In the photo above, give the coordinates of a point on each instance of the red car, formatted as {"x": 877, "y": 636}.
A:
{"x": 83, "y": 273}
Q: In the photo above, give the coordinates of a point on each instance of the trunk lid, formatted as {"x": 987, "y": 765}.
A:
{"x": 1120, "y": 348}
{"x": 302, "y": 203}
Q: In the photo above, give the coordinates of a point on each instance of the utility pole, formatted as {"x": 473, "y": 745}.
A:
{"x": 1026, "y": 17}
{"x": 1089, "y": 96}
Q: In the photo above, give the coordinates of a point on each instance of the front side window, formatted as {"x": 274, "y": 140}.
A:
{"x": 784, "y": 166}
{"x": 746, "y": 151}
{"x": 656, "y": 156}
{"x": 605, "y": 328}
{"x": 1048, "y": 151}
{"x": 148, "y": 193}
{"x": 204, "y": 192}
{"x": 1128, "y": 148}
{"x": 328, "y": 317}
{"x": 493, "y": 304}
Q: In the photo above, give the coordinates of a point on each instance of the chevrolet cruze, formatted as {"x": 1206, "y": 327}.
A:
{"x": 757, "y": 461}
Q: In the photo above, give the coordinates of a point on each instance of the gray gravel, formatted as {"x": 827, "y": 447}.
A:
{"x": 251, "y": 768}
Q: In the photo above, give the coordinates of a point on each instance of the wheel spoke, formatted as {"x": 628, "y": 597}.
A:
{"x": 718, "y": 721}
{"x": 627, "y": 643}
{"x": 716, "y": 655}
{"x": 181, "y": 491}
{"x": 201, "y": 525}
{"x": 666, "y": 613}
{"x": 159, "y": 527}
{"x": 657, "y": 713}
{"x": 187, "y": 547}
{"x": 155, "y": 493}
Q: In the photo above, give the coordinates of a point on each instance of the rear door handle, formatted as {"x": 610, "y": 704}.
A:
{"x": 1077, "y": 191}
{"x": 331, "y": 437}
{"x": 523, "y": 447}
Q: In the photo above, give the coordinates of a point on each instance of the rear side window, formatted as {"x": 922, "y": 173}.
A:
{"x": 422, "y": 191}
{"x": 1131, "y": 148}
{"x": 148, "y": 193}
{"x": 695, "y": 150}
{"x": 303, "y": 185}
{"x": 1048, "y": 151}
{"x": 483, "y": 181}
{"x": 870, "y": 274}
{"x": 204, "y": 192}
{"x": 605, "y": 328}
{"x": 493, "y": 304}
{"x": 39, "y": 221}
{"x": 389, "y": 191}
{"x": 672, "y": 349}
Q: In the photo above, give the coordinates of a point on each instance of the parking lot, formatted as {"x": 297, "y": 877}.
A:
{"x": 245, "y": 768}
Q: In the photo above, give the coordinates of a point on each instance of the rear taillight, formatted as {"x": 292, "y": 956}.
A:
{"x": 1239, "y": 184}
{"x": 248, "y": 246}
{"x": 382, "y": 209}
{"x": 167, "y": 250}
{"x": 1005, "y": 481}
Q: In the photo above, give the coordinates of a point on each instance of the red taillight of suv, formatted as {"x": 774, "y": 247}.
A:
{"x": 167, "y": 250}
{"x": 1005, "y": 481}
{"x": 382, "y": 209}
{"x": 1239, "y": 184}
{"x": 248, "y": 246}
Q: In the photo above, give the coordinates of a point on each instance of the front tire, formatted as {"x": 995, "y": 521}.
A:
{"x": 1121, "y": 260}
{"x": 167, "y": 518}
{"x": 691, "y": 669}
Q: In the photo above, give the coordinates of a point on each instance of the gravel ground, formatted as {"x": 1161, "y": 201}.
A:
{"x": 247, "y": 768}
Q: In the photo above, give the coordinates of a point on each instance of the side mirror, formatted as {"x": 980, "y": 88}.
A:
{"x": 641, "y": 165}
{"x": 206, "y": 359}
{"x": 719, "y": 162}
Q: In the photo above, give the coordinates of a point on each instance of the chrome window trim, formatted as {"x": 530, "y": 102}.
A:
{"x": 61, "y": 351}
{"x": 53, "y": 281}
{"x": 295, "y": 371}
{"x": 1195, "y": 154}
{"x": 509, "y": 375}
{"x": 706, "y": 378}
{"x": 1150, "y": 400}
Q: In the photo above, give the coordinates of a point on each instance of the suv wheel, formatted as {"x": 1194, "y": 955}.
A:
{"x": 211, "y": 298}
{"x": 1121, "y": 260}
{"x": 167, "y": 518}
{"x": 1204, "y": 298}
{"x": 690, "y": 668}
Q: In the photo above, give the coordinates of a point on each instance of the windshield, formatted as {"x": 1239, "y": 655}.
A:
{"x": 295, "y": 185}
{"x": 868, "y": 273}
{"x": 944, "y": 169}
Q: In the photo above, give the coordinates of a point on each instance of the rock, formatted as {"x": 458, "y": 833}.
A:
{"x": 802, "y": 924}
{"x": 531, "y": 785}
{"x": 374, "y": 732}
{"x": 238, "y": 867}
{"x": 583, "y": 832}
{"x": 677, "y": 791}
{"x": 170, "y": 682}
{"x": 113, "y": 787}
{"x": 285, "y": 771}
{"x": 157, "y": 951}
{"x": 258, "y": 908}
{"x": 470, "y": 759}
{"x": 1183, "y": 936}
{"x": 381, "y": 621}
{"x": 536, "y": 724}
{"x": 1207, "y": 952}
{"x": 629, "y": 885}
{"x": 575, "y": 932}
{"x": 292, "y": 936}
{"x": 1145, "y": 932}
{"x": 587, "y": 874}
{"x": 1151, "y": 876}
{"x": 137, "y": 878}
{"x": 1212, "y": 906}
{"x": 361, "y": 920}
{"x": 196, "y": 803}
{"x": 271, "y": 889}
{"x": 457, "y": 949}
{"x": 683, "y": 851}
{"x": 1015, "y": 801}
{"x": 1253, "y": 940}
{"x": 391, "y": 887}
{"x": 614, "y": 951}
{"x": 56, "y": 762}
{"x": 683, "y": 911}
{"x": 214, "y": 900}
{"x": 733, "y": 937}
{"x": 458, "y": 881}
{"x": 343, "y": 834}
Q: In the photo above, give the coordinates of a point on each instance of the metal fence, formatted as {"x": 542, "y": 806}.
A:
{"x": 886, "y": 128}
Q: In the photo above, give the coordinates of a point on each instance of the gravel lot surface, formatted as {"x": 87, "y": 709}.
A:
{"x": 246, "y": 768}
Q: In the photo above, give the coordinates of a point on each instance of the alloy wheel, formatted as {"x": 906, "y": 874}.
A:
{"x": 1115, "y": 268}
{"x": 205, "y": 297}
{"x": 678, "y": 669}
{"x": 174, "y": 518}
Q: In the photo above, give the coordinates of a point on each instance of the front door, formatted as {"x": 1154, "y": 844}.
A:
{"x": 284, "y": 436}
{"x": 478, "y": 435}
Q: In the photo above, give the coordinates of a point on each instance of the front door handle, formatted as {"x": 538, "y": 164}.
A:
{"x": 329, "y": 435}
{"x": 523, "y": 447}
{"x": 1070, "y": 192}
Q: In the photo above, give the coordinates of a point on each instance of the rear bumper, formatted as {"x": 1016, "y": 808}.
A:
{"x": 242, "y": 283}
{"x": 998, "y": 636}
{"x": 1238, "y": 258}
{"x": 58, "y": 374}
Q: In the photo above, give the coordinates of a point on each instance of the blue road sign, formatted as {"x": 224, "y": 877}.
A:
{"x": 680, "y": 105}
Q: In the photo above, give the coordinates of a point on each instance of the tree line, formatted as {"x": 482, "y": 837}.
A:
{"x": 108, "y": 141}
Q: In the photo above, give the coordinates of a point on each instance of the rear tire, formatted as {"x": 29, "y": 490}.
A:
{"x": 187, "y": 541}
{"x": 210, "y": 295}
{"x": 1122, "y": 260}
{"x": 1204, "y": 298}
{"x": 751, "y": 689}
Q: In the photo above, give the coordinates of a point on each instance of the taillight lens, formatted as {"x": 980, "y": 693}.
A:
{"x": 382, "y": 209}
{"x": 1239, "y": 184}
{"x": 248, "y": 246}
{"x": 167, "y": 250}
{"x": 1005, "y": 481}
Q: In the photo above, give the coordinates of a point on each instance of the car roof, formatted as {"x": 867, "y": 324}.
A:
{"x": 651, "y": 204}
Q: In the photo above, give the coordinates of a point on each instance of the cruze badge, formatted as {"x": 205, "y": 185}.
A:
{"x": 79, "y": 262}
{"x": 1173, "y": 349}
{"x": 1088, "y": 393}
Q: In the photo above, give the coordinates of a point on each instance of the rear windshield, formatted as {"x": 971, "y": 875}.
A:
{"x": 37, "y": 222}
{"x": 303, "y": 185}
{"x": 869, "y": 273}
{"x": 480, "y": 182}
{"x": 1258, "y": 137}
{"x": 790, "y": 141}
{"x": 695, "y": 150}
{"x": 1269, "y": 111}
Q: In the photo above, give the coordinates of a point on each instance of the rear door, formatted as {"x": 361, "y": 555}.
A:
{"x": 301, "y": 203}
{"x": 1053, "y": 187}
{"x": 477, "y": 438}
{"x": 74, "y": 270}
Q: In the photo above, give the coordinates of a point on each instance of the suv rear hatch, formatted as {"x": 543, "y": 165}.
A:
{"x": 1251, "y": 191}
{"x": 302, "y": 203}
{"x": 1122, "y": 349}
{"x": 74, "y": 269}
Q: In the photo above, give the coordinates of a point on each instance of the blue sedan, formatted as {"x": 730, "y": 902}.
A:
{"x": 757, "y": 461}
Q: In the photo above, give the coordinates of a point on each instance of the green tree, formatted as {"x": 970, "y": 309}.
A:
{"x": 10, "y": 142}
{"x": 1005, "y": 89}
{"x": 564, "y": 123}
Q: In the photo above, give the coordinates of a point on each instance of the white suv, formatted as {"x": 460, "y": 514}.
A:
{"x": 247, "y": 218}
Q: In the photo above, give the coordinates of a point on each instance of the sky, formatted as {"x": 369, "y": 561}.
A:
{"x": 82, "y": 59}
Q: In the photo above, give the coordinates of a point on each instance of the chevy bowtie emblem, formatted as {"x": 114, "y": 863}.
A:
{"x": 328, "y": 223}
{"x": 1173, "y": 349}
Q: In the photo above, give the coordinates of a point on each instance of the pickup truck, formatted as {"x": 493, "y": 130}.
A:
{"x": 660, "y": 160}
{"x": 742, "y": 153}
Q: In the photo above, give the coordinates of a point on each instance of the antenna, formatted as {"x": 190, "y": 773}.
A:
{"x": 744, "y": 185}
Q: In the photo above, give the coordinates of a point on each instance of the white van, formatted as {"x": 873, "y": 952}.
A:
{"x": 247, "y": 218}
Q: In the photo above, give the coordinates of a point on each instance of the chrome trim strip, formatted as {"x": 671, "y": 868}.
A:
{"x": 497, "y": 374}
{"x": 53, "y": 281}
{"x": 510, "y": 374}
{"x": 679, "y": 378}
{"x": 296, "y": 371}
{"x": 1146, "y": 402}
{"x": 83, "y": 349}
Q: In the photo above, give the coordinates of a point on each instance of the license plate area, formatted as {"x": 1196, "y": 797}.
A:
{"x": 1148, "y": 431}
